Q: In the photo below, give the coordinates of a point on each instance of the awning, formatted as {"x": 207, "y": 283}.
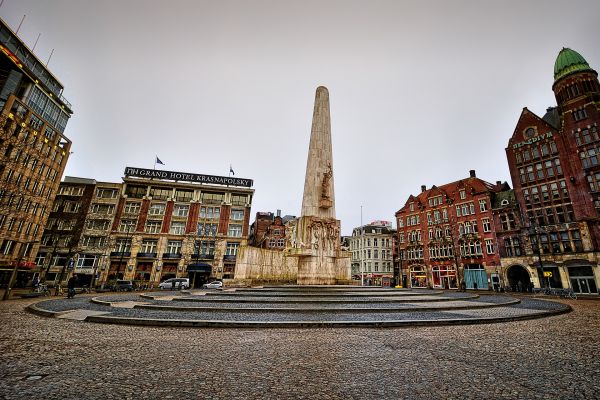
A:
{"x": 199, "y": 267}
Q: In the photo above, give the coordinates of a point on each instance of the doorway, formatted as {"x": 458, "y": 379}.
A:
{"x": 518, "y": 278}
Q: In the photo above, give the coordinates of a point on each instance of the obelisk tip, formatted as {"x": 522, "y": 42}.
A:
{"x": 322, "y": 89}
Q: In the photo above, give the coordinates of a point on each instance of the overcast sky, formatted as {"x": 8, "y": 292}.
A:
{"x": 421, "y": 91}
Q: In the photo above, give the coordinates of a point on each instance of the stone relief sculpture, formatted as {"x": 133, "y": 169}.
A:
{"x": 325, "y": 184}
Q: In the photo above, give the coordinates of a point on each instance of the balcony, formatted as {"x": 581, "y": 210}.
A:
{"x": 229, "y": 258}
{"x": 146, "y": 255}
{"x": 171, "y": 255}
{"x": 120, "y": 253}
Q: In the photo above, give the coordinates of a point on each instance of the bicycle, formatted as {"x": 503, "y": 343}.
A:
{"x": 42, "y": 289}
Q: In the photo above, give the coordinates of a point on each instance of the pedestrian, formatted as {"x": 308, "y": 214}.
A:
{"x": 35, "y": 282}
{"x": 71, "y": 286}
{"x": 474, "y": 285}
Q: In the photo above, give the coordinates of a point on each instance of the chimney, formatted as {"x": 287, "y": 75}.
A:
{"x": 498, "y": 183}
{"x": 472, "y": 173}
{"x": 279, "y": 213}
{"x": 423, "y": 188}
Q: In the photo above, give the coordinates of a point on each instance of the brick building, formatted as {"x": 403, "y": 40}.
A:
{"x": 60, "y": 243}
{"x": 555, "y": 169}
{"x": 446, "y": 235}
{"x": 33, "y": 152}
{"x": 268, "y": 230}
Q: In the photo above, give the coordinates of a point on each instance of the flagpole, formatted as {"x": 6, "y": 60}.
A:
{"x": 155, "y": 157}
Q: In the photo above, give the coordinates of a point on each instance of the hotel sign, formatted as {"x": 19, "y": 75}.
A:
{"x": 187, "y": 177}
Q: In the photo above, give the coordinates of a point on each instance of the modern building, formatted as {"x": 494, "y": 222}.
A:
{"x": 554, "y": 161}
{"x": 33, "y": 152}
{"x": 372, "y": 248}
{"x": 446, "y": 235}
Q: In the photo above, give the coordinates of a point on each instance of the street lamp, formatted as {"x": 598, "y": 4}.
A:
{"x": 123, "y": 253}
{"x": 534, "y": 230}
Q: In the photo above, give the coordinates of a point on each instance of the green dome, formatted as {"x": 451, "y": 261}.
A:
{"x": 568, "y": 62}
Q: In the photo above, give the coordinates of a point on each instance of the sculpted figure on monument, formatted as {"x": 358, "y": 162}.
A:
{"x": 325, "y": 186}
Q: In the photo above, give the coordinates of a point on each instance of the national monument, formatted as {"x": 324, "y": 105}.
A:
{"x": 313, "y": 255}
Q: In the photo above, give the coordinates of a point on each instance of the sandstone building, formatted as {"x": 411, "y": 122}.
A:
{"x": 372, "y": 248}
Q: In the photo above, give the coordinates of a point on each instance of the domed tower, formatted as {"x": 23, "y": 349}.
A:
{"x": 576, "y": 87}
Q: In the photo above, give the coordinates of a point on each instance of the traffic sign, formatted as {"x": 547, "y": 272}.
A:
{"x": 548, "y": 274}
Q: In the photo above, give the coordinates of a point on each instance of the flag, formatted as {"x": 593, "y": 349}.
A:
{"x": 158, "y": 161}
{"x": 231, "y": 170}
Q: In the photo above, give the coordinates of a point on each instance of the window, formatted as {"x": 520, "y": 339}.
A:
{"x": 132, "y": 207}
{"x": 482, "y": 205}
{"x": 174, "y": 246}
{"x": 237, "y": 215}
{"x": 136, "y": 192}
{"x": 93, "y": 241}
{"x": 153, "y": 226}
{"x": 207, "y": 247}
{"x": 177, "y": 228}
{"x": 212, "y": 198}
{"x": 235, "y": 230}
{"x": 210, "y": 212}
{"x": 127, "y": 225}
{"x": 7, "y": 247}
{"x": 98, "y": 208}
{"x": 239, "y": 199}
{"x": 87, "y": 260}
{"x": 463, "y": 194}
{"x": 181, "y": 210}
{"x": 183, "y": 195}
{"x": 206, "y": 229}
{"x": 123, "y": 245}
{"x": 489, "y": 246}
{"x": 99, "y": 224}
{"x": 232, "y": 248}
{"x": 148, "y": 246}
{"x": 157, "y": 209}
{"x": 105, "y": 193}
{"x": 160, "y": 193}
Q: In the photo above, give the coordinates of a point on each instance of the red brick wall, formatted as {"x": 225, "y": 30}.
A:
{"x": 224, "y": 219}
{"x": 143, "y": 215}
{"x": 192, "y": 218}
{"x": 167, "y": 217}
{"x": 118, "y": 214}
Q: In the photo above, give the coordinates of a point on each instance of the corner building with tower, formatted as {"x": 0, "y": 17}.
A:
{"x": 554, "y": 162}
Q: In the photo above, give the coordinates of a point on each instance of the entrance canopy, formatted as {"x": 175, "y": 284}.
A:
{"x": 199, "y": 267}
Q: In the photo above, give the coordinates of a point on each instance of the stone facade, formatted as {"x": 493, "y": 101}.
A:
{"x": 372, "y": 248}
{"x": 314, "y": 238}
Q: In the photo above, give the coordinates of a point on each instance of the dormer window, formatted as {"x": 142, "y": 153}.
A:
{"x": 463, "y": 194}
{"x": 504, "y": 202}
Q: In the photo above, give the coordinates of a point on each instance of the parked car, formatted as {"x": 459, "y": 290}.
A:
{"x": 122, "y": 285}
{"x": 213, "y": 285}
{"x": 175, "y": 283}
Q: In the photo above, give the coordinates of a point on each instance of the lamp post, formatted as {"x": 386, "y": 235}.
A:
{"x": 534, "y": 230}
{"x": 13, "y": 275}
{"x": 123, "y": 253}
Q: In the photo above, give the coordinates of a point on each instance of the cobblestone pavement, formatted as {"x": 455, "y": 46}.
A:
{"x": 548, "y": 358}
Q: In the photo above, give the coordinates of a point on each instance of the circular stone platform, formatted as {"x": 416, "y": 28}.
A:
{"x": 299, "y": 306}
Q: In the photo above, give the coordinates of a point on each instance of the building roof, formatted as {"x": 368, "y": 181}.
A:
{"x": 552, "y": 117}
{"x": 473, "y": 184}
{"x": 568, "y": 62}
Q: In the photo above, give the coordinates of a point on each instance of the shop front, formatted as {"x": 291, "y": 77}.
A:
{"x": 143, "y": 272}
{"x": 418, "y": 276}
{"x": 582, "y": 279}
{"x": 444, "y": 277}
{"x": 475, "y": 277}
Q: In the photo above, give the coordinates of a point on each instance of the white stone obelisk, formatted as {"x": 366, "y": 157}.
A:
{"x": 316, "y": 234}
